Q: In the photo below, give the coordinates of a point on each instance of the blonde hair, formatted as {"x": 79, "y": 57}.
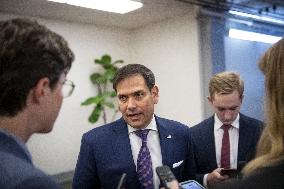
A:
{"x": 226, "y": 83}
{"x": 270, "y": 148}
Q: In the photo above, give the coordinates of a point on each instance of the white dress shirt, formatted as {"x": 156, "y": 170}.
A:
{"x": 234, "y": 141}
{"x": 153, "y": 143}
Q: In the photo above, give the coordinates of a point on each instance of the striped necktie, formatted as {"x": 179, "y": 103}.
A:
{"x": 144, "y": 162}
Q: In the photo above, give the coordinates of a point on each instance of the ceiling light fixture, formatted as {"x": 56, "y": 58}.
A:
{"x": 116, "y": 6}
{"x": 257, "y": 17}
{"x": 252, "y": 36}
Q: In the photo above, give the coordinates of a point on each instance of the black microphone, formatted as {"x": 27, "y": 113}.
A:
{"x": 122, "y": 182}
{"x": 167, "y": 177}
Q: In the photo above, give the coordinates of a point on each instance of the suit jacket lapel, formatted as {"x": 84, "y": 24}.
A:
{"x": 245, "y": 136}
{"x": 211, "y": 143}
{"x": 166, "y": 142}
{"x": 121, "y": 146}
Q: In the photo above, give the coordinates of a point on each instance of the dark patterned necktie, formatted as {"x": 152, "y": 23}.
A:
{"x": 225, "y": 150}
{"x": 144, "y": 162}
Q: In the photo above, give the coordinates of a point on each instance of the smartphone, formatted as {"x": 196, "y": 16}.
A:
{"x": 232, "y": 173}
{"x": 166, "y": 176}
{"x": 191, "y": 184}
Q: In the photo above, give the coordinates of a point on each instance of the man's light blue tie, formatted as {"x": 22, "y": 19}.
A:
{"x": 144, "y": 162}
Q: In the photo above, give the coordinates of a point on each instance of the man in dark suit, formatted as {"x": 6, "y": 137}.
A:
{"x": 116, "y": 148}
{"x": 34, "y": 62}
{"x": 228, "y": 139}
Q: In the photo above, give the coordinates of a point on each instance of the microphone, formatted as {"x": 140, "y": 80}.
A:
{"x": 122, "y": 181}
{"x": 167, "y": 178}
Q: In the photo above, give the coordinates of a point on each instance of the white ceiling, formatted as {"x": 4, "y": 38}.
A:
{"x": 152, "y": 11}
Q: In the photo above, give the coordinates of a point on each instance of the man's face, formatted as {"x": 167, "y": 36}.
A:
{"x": 226, "y": 106}
{"x": 136, "y": 101}
{"x": 53, "y": 102}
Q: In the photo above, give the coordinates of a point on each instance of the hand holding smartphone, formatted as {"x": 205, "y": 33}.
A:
{"x": 232, "y": 173}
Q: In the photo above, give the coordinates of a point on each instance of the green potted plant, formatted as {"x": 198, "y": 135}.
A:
{"x": 103, "y": 80}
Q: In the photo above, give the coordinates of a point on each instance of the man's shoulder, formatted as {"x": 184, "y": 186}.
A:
{"x": 11, "y": 164}
{"x": 170, "y": 123}
{"x": 244, "y": 119}
{"x": 15, "y": 171}
{"x": 104, "y": 129}
{"x": 203, "y": 125}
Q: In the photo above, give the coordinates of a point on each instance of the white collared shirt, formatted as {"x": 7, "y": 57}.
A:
{"x": 153, "y": 143}
{"x": 234, "y": 142}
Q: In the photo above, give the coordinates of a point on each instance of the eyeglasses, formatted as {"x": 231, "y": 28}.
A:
{"x": 67, "y": 88}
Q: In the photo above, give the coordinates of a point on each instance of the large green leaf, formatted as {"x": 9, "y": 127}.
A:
{"x": 97, "y": 78}
{"x": 106, "y": 59}
{"x": 93, "y": 100}
{"x": 110, "y": 74}
{"x": 109, "y": 94}
{"x": 109, "y": 104}
{"x": 99, "y": 61}
{"x": 118, "y": 62}
{"x": 94, "y": 117}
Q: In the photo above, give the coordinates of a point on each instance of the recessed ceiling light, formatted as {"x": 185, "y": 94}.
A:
{"x": 252, "y": 36}
{"x": 257, "y": 17}
{"x": 116, "y": 6}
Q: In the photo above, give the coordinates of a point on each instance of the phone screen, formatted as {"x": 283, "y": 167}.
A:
{"x": 232, "y": 173}
{"x": 191, "y": 184}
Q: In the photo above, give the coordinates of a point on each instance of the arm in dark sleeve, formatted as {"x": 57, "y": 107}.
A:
{"x": 85, "y": 175}
{"x": 197, "y": 177}
{"x": 190, "y": 169}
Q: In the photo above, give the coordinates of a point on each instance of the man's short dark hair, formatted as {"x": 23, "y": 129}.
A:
{"x": 134, "y": 69}
{"x": 28, "y": 52}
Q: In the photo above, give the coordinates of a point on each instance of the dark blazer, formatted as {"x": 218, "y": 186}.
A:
{"x": 16, "y": 168}
{"x": 106, "y": 153}
{"x": 203, "y": 143}
{"x": 265, "y": 178}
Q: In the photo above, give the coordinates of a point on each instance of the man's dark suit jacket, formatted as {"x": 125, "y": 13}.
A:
{"x": 203, "y": 143}
{"x": 264, "y": 178}
{"x": 16, "y": 168}
{"x": 106, "y": 154}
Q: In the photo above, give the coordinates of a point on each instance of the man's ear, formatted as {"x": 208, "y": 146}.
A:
{"x": 210, "y": 99}
{"x": 41, "y": 89}
{"x": 155, "y": 94}
{"x": 242, "y": 97}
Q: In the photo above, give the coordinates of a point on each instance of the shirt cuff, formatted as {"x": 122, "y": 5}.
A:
{"x": 205, "y": 180}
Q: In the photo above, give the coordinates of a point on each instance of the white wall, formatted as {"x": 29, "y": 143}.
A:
{"x": 169, "y": 48}
{"x": 57, "y": 151}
